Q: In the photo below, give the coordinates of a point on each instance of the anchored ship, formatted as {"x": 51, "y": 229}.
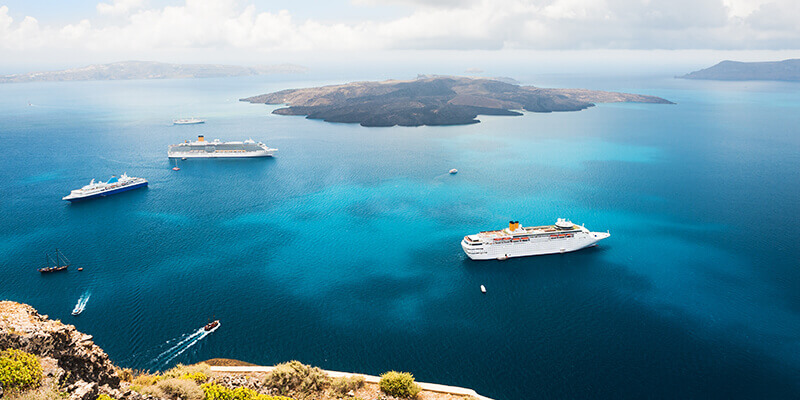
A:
{"x": 216, "y": 149}
{"x": 518, "y": 241}
{"x": 56, "y": 263}
{"x": 112, "y": 186}
{"x": 188, "y": 121}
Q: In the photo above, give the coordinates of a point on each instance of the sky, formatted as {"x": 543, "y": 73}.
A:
{"x": 77, "y": 32}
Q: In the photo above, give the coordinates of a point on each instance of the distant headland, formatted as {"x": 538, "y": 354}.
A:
{"x": 434, "y": 100}
{"x": 786, "y": 70}
{"x": 149, "y": 70}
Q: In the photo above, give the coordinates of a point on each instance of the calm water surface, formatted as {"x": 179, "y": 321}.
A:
{"x": 343, "y": 251}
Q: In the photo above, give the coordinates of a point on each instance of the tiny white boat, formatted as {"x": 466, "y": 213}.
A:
{"x": 453, "y": 171}
{"x": 503, "y": 257}
{"x": 483, "y": 289}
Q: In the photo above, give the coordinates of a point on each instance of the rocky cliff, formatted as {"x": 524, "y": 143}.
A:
{"x": 69, "y": 358}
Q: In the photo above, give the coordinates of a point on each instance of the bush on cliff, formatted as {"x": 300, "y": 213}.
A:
{"x": 197, "y": 372}
{"x": 343, "y": 385}
{"x": 105, "y": 397}
{"x": 214, "y": 391}
{"x": 399, "y": 384}
{"x": 296, "y": 378}
{"x": 19, "y": 370}
{"x": 184, "y": 389}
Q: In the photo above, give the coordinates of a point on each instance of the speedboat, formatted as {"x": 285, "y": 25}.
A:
{"x": 453, "y": 171}
{"x": 211, "y": 326}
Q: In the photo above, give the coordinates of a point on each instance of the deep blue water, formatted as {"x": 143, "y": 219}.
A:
{"x": 343, "y": 251}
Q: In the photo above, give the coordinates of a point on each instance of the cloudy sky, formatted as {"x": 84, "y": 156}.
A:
{"x": 34, "y": 31}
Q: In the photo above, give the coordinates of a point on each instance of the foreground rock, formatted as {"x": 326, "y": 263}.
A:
{"x": 69, "y": 358}
{"x": 786, "y": 70}
{"x": 434, "y": 100}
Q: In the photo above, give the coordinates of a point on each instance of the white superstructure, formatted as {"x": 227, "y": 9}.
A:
{"x": 518, "y": 241}
{"x": 217, "y": 149}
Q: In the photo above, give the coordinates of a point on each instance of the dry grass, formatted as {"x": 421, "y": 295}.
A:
{"x": 43, "y": 393}
{"x": 227, "y": 362}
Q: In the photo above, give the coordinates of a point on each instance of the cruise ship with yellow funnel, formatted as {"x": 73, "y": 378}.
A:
{"x": 217, "y": 149}
{"x": 518, "y": 241}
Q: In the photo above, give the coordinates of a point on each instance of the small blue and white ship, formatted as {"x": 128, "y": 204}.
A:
{"x": 101, "y": 189}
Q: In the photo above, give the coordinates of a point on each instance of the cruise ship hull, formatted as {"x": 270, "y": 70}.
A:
{"x": 253, "y": 154}
{"x": 536, "y": 244}
{"x": 106, "y": 193}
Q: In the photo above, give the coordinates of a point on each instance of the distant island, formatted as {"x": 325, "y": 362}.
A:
{"x": 149, "y": 70}
{"x": 433, "y": 100}
{"x": 786, "y": 70}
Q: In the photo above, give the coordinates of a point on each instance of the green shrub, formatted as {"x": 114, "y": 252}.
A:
{"x": 399, "y": 384}
{"x": 343, "y": 384}
{"x": 295, "y": 377}
{"x": 105, "y": 397}
{"x": 181, "y": 370}
{"x": 214, "y": 391}
{"x": 19, "y": 370}
{"x": 184, "y": 389}
{"x": 198, "y": 377}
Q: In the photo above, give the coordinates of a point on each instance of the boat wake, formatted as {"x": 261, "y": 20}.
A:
{"x": 81, "y": 305}
{"x": 185, "y": 342}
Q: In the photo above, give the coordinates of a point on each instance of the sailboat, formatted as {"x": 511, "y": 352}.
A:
{"x": 60, "y": 263}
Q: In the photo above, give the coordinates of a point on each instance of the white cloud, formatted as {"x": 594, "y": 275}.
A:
{"x": 119, "y": 7}
{"x": 443, "y": 24}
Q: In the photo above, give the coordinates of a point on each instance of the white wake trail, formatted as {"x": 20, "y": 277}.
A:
{"x": 81, "y": 305}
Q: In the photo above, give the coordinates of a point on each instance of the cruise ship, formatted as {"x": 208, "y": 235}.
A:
{"x": 216, "y": 149}
{"x": 188, "y": 121}
{"x": 112, "y": 186}
{"x": 518, "y": 241}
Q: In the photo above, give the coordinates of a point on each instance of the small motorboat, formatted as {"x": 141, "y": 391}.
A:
{"x": 483, "y": 289}
{"x": 503, "y": 257}
{"x": 80, "y": 269}
{"x": 453, "y": 171}
{"x": 211, "y": 325}
{"x": 175, "y": 168}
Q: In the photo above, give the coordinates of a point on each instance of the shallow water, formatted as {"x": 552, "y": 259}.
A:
{"x": 343, "y": 251}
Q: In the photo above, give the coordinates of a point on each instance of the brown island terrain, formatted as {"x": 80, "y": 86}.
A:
{"x": 434, "y": 100}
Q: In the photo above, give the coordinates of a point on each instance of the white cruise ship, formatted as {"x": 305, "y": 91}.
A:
{"x": 216, "y": 149}
{"x": 518, "y": 241}
{"x": 188, "y": 121}
{"x": 101, "y": 189}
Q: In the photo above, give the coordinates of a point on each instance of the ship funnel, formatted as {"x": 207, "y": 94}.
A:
{"x": 201, "y": 138}
{"x": 513, "y": 225}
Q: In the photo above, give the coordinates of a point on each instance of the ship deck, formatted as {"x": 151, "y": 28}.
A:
{"x": 527, "y": 231}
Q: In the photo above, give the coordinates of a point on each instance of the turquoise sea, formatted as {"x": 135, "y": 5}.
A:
{"x": 343, "y": 251}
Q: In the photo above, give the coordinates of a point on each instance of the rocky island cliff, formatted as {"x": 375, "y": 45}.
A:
{"x": 434, "y": 100}
{"x": 786, "y": 70}
{"x": 44, "y": 359}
